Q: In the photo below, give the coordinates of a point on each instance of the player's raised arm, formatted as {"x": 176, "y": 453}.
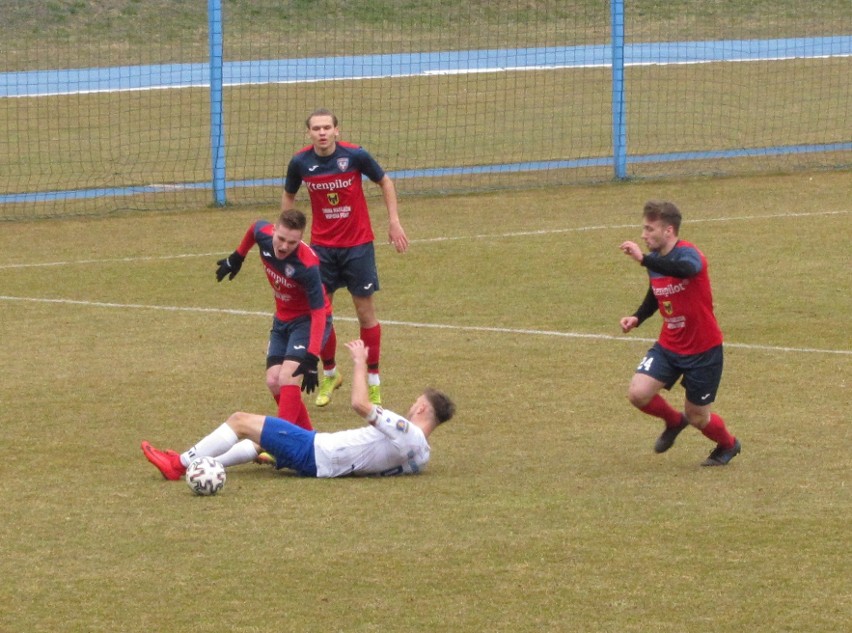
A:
{"x": 360, "y": 395}
{"x": 230, "y": 266}
{"x": 632, "y": 249}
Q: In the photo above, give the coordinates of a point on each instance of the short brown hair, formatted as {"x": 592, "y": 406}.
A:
{"x": 321, "y": 112}
{"x": 293, "y": 219}
{"x": 442, "y": 405}
{"x": 664, "y": 211}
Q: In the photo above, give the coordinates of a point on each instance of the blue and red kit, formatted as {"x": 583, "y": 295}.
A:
{"x": 340, "y": 218}
{"x": 295, "y": 280}
{"x": 680, "y": 290}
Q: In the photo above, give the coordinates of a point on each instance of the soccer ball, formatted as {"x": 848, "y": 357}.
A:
{"x": 205, "y": 476}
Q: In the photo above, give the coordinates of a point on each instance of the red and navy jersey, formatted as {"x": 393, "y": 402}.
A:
{"x": 681, "y": 284}
{"x": 340, "y": 217}
{"x": 295, "y": 280}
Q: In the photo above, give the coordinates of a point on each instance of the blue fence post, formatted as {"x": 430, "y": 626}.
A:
{"x": 619, "y": 122}
{"x": 217, "y": 125}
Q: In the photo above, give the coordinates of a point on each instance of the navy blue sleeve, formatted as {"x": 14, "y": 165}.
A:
{"x": 649, "y": 306}
{"x": 368, "y": 166}
{"x": 683, "y": 262}
{"x": 293, "y": 180}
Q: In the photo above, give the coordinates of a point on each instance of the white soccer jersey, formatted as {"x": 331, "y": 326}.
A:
{"x": 394, "y": 446}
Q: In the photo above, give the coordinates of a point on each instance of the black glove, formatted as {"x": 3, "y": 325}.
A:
{"x": 307, "y": 369}
{"x": 230, "y": 265}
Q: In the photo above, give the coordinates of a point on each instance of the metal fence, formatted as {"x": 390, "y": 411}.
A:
{"x": 167, "y": 104}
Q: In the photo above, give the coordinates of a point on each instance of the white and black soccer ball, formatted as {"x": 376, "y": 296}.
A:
{"x": 205, "y": 476}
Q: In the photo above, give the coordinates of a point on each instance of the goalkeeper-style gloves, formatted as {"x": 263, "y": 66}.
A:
{"x": 229, "y": 266}
{"x": 307, "y": 369}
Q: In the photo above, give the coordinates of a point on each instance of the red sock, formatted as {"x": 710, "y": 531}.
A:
{"x": 372, "y": 338}
{"x": 329, "y": 350}
{"x": 291, "y": 407}
{"x": 718, "y": 432}
{"x": 659, "y": 408}
{"x": 304, "y": 419}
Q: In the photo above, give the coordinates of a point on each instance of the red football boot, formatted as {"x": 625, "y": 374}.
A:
{"x": 167, "y": 462}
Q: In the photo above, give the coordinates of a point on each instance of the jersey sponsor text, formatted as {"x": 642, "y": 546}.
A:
{"x": 331, "y": 185}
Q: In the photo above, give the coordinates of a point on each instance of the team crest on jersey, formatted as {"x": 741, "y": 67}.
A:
{"x": 402, "y": 426}
{"x": 667, "y": 308}
{"x": 342, "y": 164}
{"x": 289, "y": 270}
{"x": 333, "y": 199}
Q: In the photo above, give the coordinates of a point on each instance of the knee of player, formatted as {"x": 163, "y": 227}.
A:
{"x": 242, "y": 423}
{"x": 272, "y": 384}
{"x": 699, "y": 419}
{"x": 283, "y": 376}
{"x": 637, "y": 398}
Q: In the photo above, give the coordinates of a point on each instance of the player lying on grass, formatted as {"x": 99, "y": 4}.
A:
{"x": 390, "y": 445}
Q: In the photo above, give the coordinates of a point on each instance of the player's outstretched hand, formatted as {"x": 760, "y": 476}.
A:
{"x": 307, "y": 369}
{"x": 357, "y": 350}
{"x": 631, "y": 249}
{"x": 229, "y": 266}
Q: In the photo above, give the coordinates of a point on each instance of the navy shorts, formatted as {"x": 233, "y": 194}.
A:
{"x": 288, "y": 340}
{"x": 292, "y": 446}
{"x": 701, "y": 373}
{"x": 351, "y": 268}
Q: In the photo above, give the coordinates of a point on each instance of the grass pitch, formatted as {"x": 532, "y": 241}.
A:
{"x": 544, "y": 508}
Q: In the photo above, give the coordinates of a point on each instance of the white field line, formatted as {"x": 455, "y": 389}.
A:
{"x": 449, "y": 238}
{"x": 498, "y": 330}
{"x": 434, "y": 326}
{"x": 113, "y": 260}
{"x": 633, "y": 226}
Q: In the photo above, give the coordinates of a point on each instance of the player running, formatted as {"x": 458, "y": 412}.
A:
{"x": 690, "y": 342}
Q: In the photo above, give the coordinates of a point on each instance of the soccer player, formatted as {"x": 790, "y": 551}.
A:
{"x": 342, "y": 234}
{"x": 690, "y": 342}
{"x": 389, "y": 445}
{"x": 302, "y": 319}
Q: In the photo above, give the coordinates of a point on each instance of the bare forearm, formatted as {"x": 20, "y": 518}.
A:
{"x": 389, "y": 195}
{"x": 288, "y": 201}
{"x": 360, "y": 395}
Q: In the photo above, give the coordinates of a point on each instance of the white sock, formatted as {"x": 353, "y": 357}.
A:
{"x": 218, "y": 442}
{"x": 373, "y": 379}
{"x": 328, "y": 373}
{"x": 240, "y": 453}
